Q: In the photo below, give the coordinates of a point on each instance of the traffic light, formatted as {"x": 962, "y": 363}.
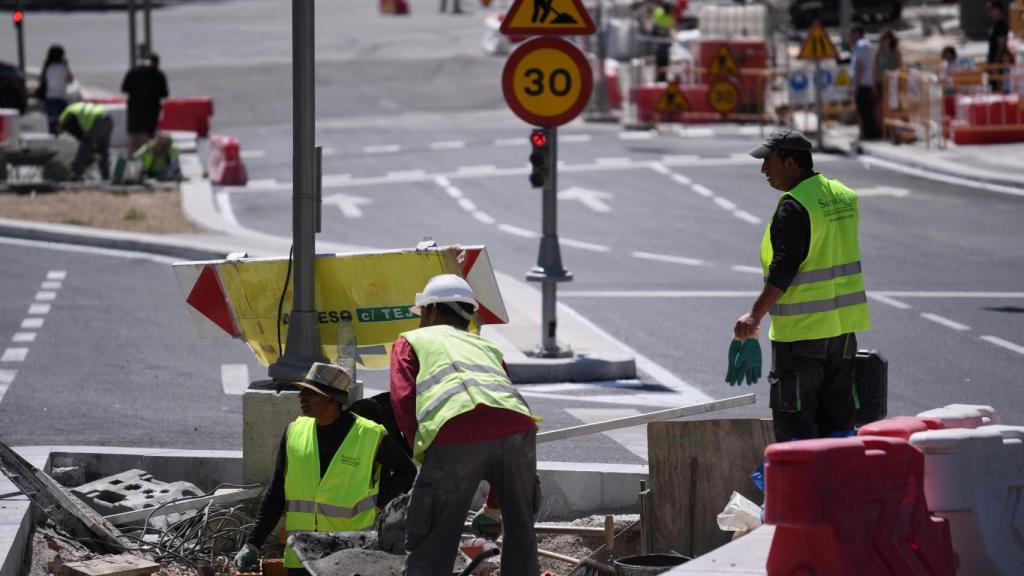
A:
{"x": 539, "y": 157}
{"x": 18, "y": 17}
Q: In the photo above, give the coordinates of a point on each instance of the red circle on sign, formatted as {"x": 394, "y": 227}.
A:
{"x": 566, "y": 48}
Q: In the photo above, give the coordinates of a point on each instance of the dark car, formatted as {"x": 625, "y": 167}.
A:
{"x": 12, "y": 88}
{"x": 804, "y": 12}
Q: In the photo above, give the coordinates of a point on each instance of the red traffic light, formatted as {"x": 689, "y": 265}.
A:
{"x": 17, "y": 17}
{"x": 539, "y": 138}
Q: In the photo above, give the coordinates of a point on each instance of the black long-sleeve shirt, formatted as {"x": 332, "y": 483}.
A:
{"x": 790, "y": 235}
{"x": 397, "y": 472}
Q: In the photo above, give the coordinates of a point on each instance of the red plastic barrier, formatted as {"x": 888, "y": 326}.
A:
{"x": 192, "y": 114}
{"x": 852, "y": 507}
{"x": 226, "y": 167}
{"x": 108, "y": 100}
{"x": 646, "y": 99}
{"x": 394, "y": 7}
{"x": 902, "y": 427}
{"x": 614, "y": 94}
{"x": 747, "y": 55}
{"x": 989, "y": 110}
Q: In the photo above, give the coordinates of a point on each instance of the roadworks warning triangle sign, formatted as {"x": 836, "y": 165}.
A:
{"x": 723, "y": 64}
{"x": 672, "y": 100}
{"x": 817, "y": 45}
{"x": 843, "y": 79}
{"x": 548, "y": 18}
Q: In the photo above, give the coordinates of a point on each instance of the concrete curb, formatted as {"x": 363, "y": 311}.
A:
{"x": 571, "y": 490}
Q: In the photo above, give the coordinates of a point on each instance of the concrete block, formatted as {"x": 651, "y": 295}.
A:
{"x": 571, "y": 490}
{"x": 204, "y": 468}
{"x": 131, "y": 490}
{"x": 119, "y": 114}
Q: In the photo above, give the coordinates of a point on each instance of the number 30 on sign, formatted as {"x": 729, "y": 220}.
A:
{"x": 547, "y": 82}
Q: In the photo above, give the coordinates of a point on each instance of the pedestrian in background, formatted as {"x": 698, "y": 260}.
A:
{"x": 53, "y": 84}
{"x": 814, "y": 290}
{"x": 663, "y": 25}
{"x": 862, "y": 65}
{"x": 887, "y": 59}
{"x": 145, "y": 86}
{"x": 998, "y": 36}
{"x": 950, "y": 65}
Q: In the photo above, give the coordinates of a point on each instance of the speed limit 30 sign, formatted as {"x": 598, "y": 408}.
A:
{"x": 547, "y": 82}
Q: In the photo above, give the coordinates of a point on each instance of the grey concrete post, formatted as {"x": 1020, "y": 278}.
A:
{"x": 147, "y": 26}
{"x": 303, "y": 348}
{"x": 131, "y": 34}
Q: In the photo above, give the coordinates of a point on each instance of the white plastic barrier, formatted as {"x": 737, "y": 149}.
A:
{"x": 975, "y": 479}
{"x": 964, "y": 416}
{"x": 119, "y": 114}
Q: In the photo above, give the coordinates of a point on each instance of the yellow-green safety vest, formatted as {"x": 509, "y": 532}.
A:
{"x": 345, "y": 499}
{"x": 85, "y": 113}
{"x": 458, "y": 372}
{"x": 663, "y": 18}
{"x": 153, "y": 164}
{"x": 827, "y": 295}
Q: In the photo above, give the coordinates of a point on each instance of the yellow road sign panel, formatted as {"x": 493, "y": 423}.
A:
{"x": 817, "y": 45}
{"x": 724, "y": 97}
{"x": 723, "y": 64}
{"x": 547, "y": 18}
{"x": 547, "y": 82}
{"x": 672, "y": 100}
{"x": 843, "y": 78}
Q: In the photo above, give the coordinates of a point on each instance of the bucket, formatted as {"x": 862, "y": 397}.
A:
{"x": 647, "y": 564}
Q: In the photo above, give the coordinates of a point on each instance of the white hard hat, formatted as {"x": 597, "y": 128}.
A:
{"x": 444, "y": 288}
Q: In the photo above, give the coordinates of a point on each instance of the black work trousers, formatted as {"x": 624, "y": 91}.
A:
{"x": 444, "y": 490}
{"x": 812, "y": 387}
{"x": 867, "y": 113}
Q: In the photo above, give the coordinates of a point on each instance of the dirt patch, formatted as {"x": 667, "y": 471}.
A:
{"x": 356, "y": 562}
{"x": 156, "y": 211}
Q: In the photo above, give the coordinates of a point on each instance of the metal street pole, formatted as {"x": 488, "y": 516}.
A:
{"x": 20, "y": 29}
{"x": 549, "y": 271}
{"x": 131, "y": 34}
{"x": 845, "y": 21}
{"x": 303, "y": 347}
{"x": 147, "y": 26}
{"x": 818, "y": 107}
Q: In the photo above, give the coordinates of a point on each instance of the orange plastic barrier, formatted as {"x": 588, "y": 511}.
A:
{"x": 394, "y": 7}
{"x": 851, "y": 507}
{"x": 902, "y": 427}
{"x": 191, "y": 114}
{"x": 226, "y": 167}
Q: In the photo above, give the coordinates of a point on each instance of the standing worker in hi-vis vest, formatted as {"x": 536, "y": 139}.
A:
{"x": 466, "y": 422}
{"x": 814, "y": 291}
{"x": 334, "y": 471}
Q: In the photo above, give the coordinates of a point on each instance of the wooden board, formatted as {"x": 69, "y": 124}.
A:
{"x": 120, "y": 565}
{"x": 694, "y": 468}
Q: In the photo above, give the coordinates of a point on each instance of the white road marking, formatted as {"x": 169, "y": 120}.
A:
{"x": 644, "y": 135}
{"x": 6, "y": 379}
{"x": 746, "y": 216}
{"x": 480, "y": 169}
{"x": 484, "y": 217}
{"x": 467, "y": 204}
{"x": 89, "y": 250}
{"x": 583, "y": 245}
{"x": 869, "y": 161}
{"x": 448, "y": 145}
{"x": 23, "y": 337}
{"x": 661, "y": 169}
{"x": 46, "y": 296}
{"x": 724, "y": 203}
{"x": 442, "y": 181}
{"x": 234, "y": 378}
{"x": 748, "y": 269}
{"x": 511, "y": 142}
{"x": 56, "y": 274}
{"x": 517, "y": 231}
{"x": 680, "y": 158}
{"x": 252, "y": 154}
{"x": 703, "y": 190}
{"x": 382, "y": 149}
{"x": 261, "y": 183}
{"x": 1004, "y": 344}
{"x": 666, "y": 258}
{"x": 14, "y": 355}
{"x": 329, "y": 151}
{"x": 658, "y": 293}
{"x": 616, "y": 161}
{"x": 39, "y": 309}
{"x": 945, "y": 321}
{"x": 331, "y": 180}
{"x": 403, "y": 174}
{"x": 694, "y": 132}
{"x": 349, "y": 205}
{"x": 577, "y": 386}
{"x": 453, "y": 192}
{"x": 922, "y": 294}
{"x": 883, "y": 191}
{"x": 32, "y": 323}
{"x": 746, "y": 158}
{"x": 888, "y": 300}
{"x": 224, "y": 208}
{"x": 50, "y": 285}
{"x": 750, "y": 130}
{"x": 574, "y": 138}
{"x": 593, "y": 199}
{"x": 633, "y": 438}
{"x": 682, "y": 179}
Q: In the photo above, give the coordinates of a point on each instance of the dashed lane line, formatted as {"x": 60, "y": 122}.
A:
{"x": 658, "y": 293}
{"x": 484, "y": 217}
{"x": 945, "y": 321}
{"x": 1003, "y": 344}
{"x": 724, "y": 204}
{"x": 644, "y": 135}
{"x": 46, "y": 296}
{"x": 746, "y": 216}
{"x": 56, "y": 275}
{"x": 50, "y": 285}
{"x": 517, "y": 231}
{"x": 746, "y": 269}
{"x": 16, "y": 354}
{"x": 32, "y": 323}
{"x": 583, "y": 245}
{"x": 702, "y": 190}
{"x": 382, "y": 149}
{"x": 448, "y": 145}
{"x": 23, "y": 337}
{"x": 889, "y": 301}
{"x": 511, "y": 142}
{"x": 39, "y": 309}
{"x": 671, "y": 259}
{"x": 403, "y": 174}
{"x": 573, "y": 138}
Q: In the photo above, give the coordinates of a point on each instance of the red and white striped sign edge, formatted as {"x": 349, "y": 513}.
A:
{"x": 477, "y": 270}
{"x": 211, "y": 311}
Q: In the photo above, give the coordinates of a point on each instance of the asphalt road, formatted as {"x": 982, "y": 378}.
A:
{"x": 660, "y": 231}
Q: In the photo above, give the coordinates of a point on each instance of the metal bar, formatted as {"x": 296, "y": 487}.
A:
{"x": 131, "y": 34}
{"x": 818, "y": 105}
{"x": 147, "y": 27}
{"x": 660, "y": 415}
{"x": 318, "y": 198}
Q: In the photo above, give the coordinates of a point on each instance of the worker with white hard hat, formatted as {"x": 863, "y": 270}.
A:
{"x": 465, "y": 422}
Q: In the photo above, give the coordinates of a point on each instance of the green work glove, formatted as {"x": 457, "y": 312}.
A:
{"x": 733, "y": 375}
{"x": 248, "y": 559}
{"x": 486, "y": 518}
{"x": 749, "y": 360}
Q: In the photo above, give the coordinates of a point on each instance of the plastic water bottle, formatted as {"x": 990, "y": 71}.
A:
{"x": 346, "y": 338}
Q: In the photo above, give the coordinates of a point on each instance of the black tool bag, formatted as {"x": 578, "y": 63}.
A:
{"x": 871, "y": 379}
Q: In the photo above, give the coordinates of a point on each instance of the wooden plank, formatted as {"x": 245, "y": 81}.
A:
{"x": 694, "y": 468}
{"x": 120, "y": 565}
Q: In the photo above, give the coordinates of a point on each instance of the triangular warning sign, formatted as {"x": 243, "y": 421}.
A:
{"x": 672, "y": 100}
{"x": 817, "y": 45}
{"x": 547, "y": 18}
{"x": 843, "y": 79}
{"x": 723, "y": 64}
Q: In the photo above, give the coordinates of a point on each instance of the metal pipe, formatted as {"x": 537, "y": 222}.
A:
{"x": 147, "y": 26}
{"x": 131, "y": 34}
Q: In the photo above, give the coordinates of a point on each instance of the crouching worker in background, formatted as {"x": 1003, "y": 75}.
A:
{"x": 159, "y": 158}
{"x": 329, "y": 470}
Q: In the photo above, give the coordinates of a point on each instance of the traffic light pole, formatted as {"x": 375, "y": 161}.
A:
{"x": 549, "y": 271}
{"x": 131, "y": 34}
{"x": 303, "y": 348}
{"x": 19, "y": 26}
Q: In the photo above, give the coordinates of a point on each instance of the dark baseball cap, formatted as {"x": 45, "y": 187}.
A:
{"x": 782, "y": 139}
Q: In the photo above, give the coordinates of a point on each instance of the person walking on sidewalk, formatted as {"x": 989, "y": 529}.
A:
{"x": 862, "y": 65}
{"x": 814, "y": 291}
{"x": 998, "y": 40}
{"x": 466, "y": 422}
{"x": 329, "y": 469}
{"x": 53, "y": 85}
{"x": 91, "y": 125}
{"x": 145, "y": 86}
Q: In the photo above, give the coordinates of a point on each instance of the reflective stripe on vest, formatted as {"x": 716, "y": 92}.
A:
{"x": 826, "y": 297}
{"x": 458, "y": 372}
{"x": 345, "y": 498}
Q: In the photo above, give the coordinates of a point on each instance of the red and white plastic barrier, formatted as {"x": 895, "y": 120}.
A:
{"x": 963, "y": 415}
{"x": 988, "y": 119}
{"x": 189, "y": 114}
{"x": 226, "y": 167}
